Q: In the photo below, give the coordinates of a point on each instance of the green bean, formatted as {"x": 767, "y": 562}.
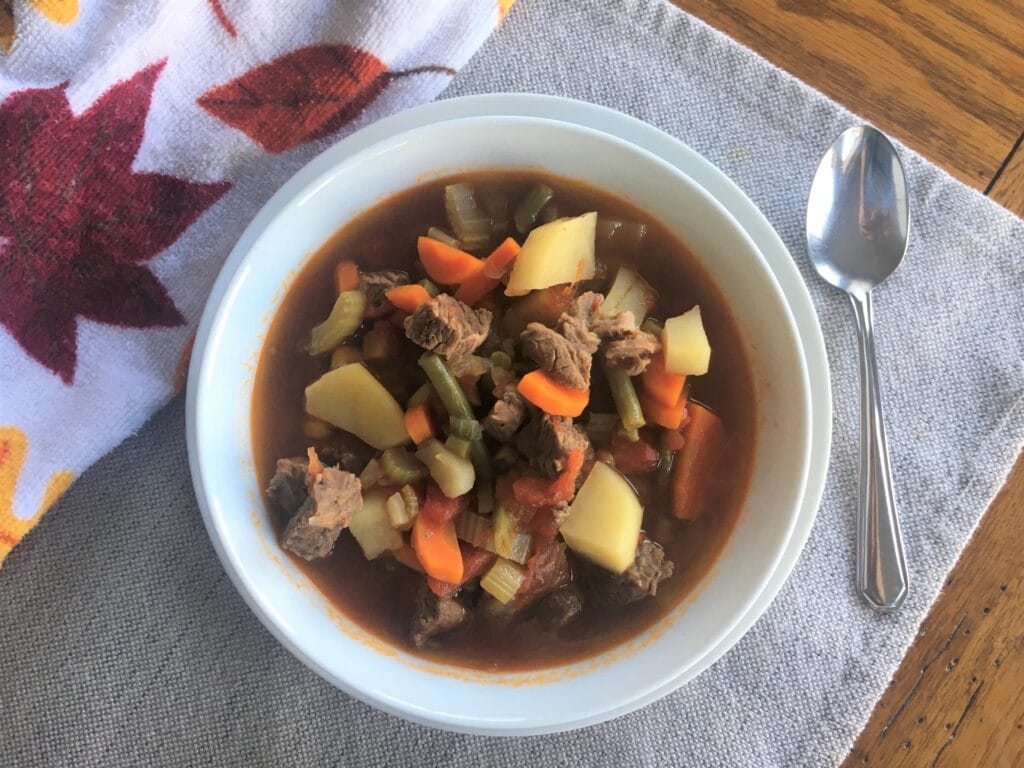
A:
{"x": 446, "y": 386}
{"x": 429, "y": 286}
{"x": 457, "y": 405}
{"x": 531, "y": 205}
{"x": 626, "y": 401}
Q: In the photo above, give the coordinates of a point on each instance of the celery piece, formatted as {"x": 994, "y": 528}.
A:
{"x": 402, "y": 467}
{"x": 453, "y": 474}
{"x": 398, "y": 515}
{"x": 509, "y": 541}
{"x": 503, "y": 580}
{"x": 371, "y": 475}
{"x": 460, "y": 446}
{"x": 436, "y": 233}
{"x": 346, "y": 316}
{"x": 471, "y": 224}
{"x": 476, "y": 530}
{"x": 531, "y": 205}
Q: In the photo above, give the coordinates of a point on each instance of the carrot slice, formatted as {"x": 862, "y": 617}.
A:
{"x": 407, "y": 297}
{"x": 668, "y": 416}
{"x": 437, "y": 548}
{"x": 346, "y": 276}
{"x": 444, "y": 264}
{"x": 488, "y": 277}
{"x": 695, "y": 464}
{"x": 418, "y": 424}
{"x": 552, "y": 397}
{"x": 661, "y": 385}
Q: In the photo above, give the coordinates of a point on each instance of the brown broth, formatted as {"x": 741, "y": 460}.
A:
{"x": 379, "y": 595}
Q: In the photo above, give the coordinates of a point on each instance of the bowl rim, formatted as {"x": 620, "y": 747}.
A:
{"x": 319, "y": 166}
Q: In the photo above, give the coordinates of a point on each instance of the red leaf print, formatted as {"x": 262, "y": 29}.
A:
{"x": 303, "y": 95}
{"x": 222, "y": 17}
{"x": 76, "y": 221}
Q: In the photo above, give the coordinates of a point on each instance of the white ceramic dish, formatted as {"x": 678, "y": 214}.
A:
{"x": 349, "y": 178}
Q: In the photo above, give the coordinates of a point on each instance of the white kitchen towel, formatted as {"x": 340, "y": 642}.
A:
{"x": 137, "y": 139}
{"x": 124, "y": 642}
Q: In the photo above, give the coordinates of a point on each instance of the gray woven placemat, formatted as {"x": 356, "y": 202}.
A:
{"x": 124, "y": 643}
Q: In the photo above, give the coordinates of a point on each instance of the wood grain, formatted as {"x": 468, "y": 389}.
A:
{"x": 958, "y": 699}
{"x": 943, "y": 76}
{"x": 947, "y": 78}
{"x": 1007, "y": 186}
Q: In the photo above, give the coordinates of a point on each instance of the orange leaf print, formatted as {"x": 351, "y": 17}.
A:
{"x": 6, "y": 25}
{"x": 504, "y": 6}
{"x": 59, "y": 11}
{"x": 13, "y": 447}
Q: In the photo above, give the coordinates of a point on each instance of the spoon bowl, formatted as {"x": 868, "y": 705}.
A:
{"x": 858, "y": 219}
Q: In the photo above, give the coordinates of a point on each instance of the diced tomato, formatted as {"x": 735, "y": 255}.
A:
{"x": 475, "y": 563}
{"x": 543, "y": 523}
{"x": 634, "y": 457}
{"x": 546, "y": 570}
{"x": 439, "y": 508}
{"x": 538, "y": 492}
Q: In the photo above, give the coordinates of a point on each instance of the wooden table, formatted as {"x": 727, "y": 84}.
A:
{"x": 946, "y": 77}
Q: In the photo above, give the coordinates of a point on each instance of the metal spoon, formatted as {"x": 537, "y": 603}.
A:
{"x": 857, "y": 224}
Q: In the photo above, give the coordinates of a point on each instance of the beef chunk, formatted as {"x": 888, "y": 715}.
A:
{"x": 578, "y": 320}
{"x": 336, "y": 497}
{"x": 641, "y": 579}
{"x": 306, "y": 540}
{"x": 319, "y": 509}
{"x": 375, "y": 285}
{"x": 632, "y": 352}
{"x": 547, "y": 442}
{"x": 561, "y": 607}
{"x": 447, "y": 326}
{"x": 568, "y": 361}
{"x": 507, "y": 415}
{"x": 434, "y": 615}
{"x": 624, "y": 345}
{"x": 287, "y": 488}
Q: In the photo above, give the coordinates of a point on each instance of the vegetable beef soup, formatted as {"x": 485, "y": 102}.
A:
{"x": 504, "y": 421}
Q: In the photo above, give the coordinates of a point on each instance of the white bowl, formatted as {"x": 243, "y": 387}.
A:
{"x": 289, "y": 230}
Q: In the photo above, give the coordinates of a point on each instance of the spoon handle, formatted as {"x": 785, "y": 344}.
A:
{"x": 881, "y": 567}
